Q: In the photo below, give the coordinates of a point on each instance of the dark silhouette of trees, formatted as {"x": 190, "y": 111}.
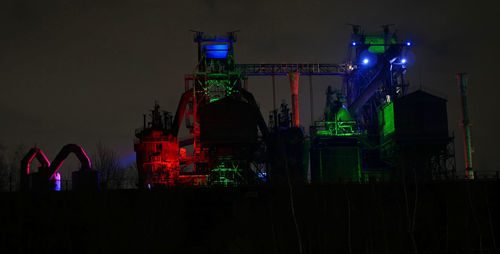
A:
{"x": 4, "y": 170}
{"x": 10, "y": 167}
{"x": 107, "y": 163}
{"x": 131, "y": 176}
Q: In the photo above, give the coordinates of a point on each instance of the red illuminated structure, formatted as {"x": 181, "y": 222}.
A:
{"x": 223, "y": 120}
{"x": 294, "y": 88}
{"x": 157, "y": 152}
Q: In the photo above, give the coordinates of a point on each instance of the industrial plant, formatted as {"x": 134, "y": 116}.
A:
{"x": 371, "y": 130}
{"x": 374, "y": 172}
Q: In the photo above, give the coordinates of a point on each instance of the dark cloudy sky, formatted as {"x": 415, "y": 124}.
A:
{"x": 85, "y": 71}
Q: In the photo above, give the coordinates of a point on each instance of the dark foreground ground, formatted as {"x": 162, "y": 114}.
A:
{"x": 453, "y": 217}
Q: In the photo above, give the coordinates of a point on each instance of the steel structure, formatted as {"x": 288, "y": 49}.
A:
{"x": 305, "y": 69}
{"x": 223, "y": 117}
{"x": 157, "y": 151}
{"x": 462, "y": 79}
{"x": 48, "y": 176}
{"x": 215, "y": 100}
{"x": 378, "y": 64}
{"x": 373, "y": 73}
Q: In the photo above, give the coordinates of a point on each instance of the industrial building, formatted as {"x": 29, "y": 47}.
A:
{"x": 371, "y": 129}
{"x": 370, "y": 176}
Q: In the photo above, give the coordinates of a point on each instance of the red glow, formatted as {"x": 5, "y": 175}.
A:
{"x": 294, "y": 87}
{"x": 193, "y": 180}
{"x": 34, "y": 152}
{"x": 158, "y": 159}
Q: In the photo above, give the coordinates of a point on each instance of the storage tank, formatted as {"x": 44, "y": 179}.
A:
{"x": 420, "y": 114}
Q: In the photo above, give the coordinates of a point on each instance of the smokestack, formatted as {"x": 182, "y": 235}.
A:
{"x": 294, "y": 87}
{"x": 462, "y": 79}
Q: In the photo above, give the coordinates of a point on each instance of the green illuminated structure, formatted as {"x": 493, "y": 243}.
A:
{"x": 215, "y": 86}
{"x": 378, "y": 45}
{"x": 226, "y": 176}
{"x": 386, "y": 119}
{"x": 334, "y": 159}
{"x": 336, "y": 128}
{"x": 216, "y": 89}
{"x": 337, "y": 120}
{"x": 335, "y": 149}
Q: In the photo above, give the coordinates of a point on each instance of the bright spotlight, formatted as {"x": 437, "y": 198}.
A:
{"x": 403, "y": 61}
{"x": 354, "y": 43}
{"x": 408, "y": 43}
{"x": 366, "y": 61}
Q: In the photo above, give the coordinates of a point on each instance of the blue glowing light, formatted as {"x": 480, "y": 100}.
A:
{"x": 216, "y": 54}
{"x": 367, "y": 58}
{"x": 403, "y": 61}
{"x": 354, "y": 43}
{"x": 216, "y": 50}
{"x": 57, "y": 186}
{"x": 262, "y": 176}
{"x": 219, "y": 47}
{"x": 127, "y": 160}
{"x": 408, "y": 43}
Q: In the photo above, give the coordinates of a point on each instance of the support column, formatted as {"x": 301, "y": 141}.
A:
{"x": 462, "y": 79}
{"x": 245, "y": 84}
{"x": 311, "y": 99}
{"x": 274, "y": 95}
{"x": 294, "y": 88}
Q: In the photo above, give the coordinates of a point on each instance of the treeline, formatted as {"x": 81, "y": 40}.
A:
{"x": 10, "y": 167}
{"x": 113, "y": 173}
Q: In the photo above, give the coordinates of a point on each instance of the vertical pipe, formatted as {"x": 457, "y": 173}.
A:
{"x": 294, "y": 87}
{"x": 311, "y": 99}
{"x": 274, "y": 94}
{"x": 199, "y": 48}
{"x": 462, "y": 79}
{"x": 196, "y": 145}
{"x": 186, "y": 82}
{"x": 245, "y": 84}
{"x": 275, "y": 113}
{"x": 165, "y": 120}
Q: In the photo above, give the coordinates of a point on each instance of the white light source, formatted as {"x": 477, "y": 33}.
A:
{"x": 403, "y": 61}
{"x": 366, "y": 61}
{"x": 408, "y": 43}
{"x": 354, "y": 43}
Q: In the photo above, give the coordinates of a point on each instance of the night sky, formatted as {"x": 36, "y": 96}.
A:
{"x": 85, "y": 71}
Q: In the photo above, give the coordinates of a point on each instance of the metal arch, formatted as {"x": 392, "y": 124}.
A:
{"x": 56, "y": 163}
{"x": 25, "y": 163}
{"x": 33, "y": 153}
{"x": 63, "y": 154}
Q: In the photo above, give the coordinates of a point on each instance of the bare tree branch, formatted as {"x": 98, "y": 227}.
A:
{"x": 106, "y": 162}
